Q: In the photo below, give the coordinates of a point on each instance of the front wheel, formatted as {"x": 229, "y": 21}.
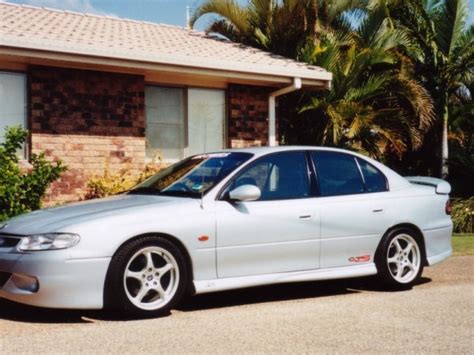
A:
{"x": 399, "y": 259}
{"x": 147, "y": 277}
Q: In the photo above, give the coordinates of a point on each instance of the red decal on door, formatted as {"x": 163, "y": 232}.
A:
{"x": 359, "y": 259}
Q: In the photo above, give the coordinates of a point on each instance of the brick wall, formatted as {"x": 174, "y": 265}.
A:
{"x": 94, "y": 121}
{"x": 90, "y": 120}
{"x": 248, "y": 116}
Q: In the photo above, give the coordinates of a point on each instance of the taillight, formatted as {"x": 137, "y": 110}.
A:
{"x": 448, "y": 207}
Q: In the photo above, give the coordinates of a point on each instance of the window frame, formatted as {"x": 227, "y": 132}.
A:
{"x": 312, "y": 155}
{"x": 223, "y": 193}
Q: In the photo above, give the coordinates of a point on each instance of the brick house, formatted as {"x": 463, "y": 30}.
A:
{"x": 97, "y": 91}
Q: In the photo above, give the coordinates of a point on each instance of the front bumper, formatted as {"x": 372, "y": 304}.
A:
{"x": 51, "y": 279}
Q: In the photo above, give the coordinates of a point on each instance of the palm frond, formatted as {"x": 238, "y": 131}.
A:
{"x": 396, "y": 39}
{"x": 431, "y": 6}
{"x": 369, "y": 28}
{"x": 326, "y": 53}
{"x": 335, "y": 125}
{"x": 362, "y": 120}
{"x": 462, "y": 61}
{"x": 392, "y": 137}
{"x": 314, "y": 104}
{"x": 465, "y": 42}
{"x": 337, "y": 8}
{"x": 228, "y": 9}
{"x": 226, "y": 29}
{"x": 369, "y": 88}
{"x": 450, "y": 24}
{"x": 417, "y": 99}
{"x": 260, "y": 13}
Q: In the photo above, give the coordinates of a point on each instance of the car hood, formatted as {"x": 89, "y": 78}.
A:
{"x": 53, "y": 219}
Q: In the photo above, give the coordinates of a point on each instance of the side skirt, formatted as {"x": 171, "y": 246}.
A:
{"x": 230, "y": 283}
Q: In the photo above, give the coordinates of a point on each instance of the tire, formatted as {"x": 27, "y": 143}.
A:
{"x": 399, "y": 259}
{"x": 146, "y": 278}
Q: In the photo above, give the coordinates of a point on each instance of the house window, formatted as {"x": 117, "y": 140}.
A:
{"x": 183, "y": 122}
{"x": 165, "y": 122}
{"x": 12, "y": 101}
{"x": 206, "y": 114}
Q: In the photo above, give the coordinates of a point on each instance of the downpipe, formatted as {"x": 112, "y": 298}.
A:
{"x": 272, "y": 109}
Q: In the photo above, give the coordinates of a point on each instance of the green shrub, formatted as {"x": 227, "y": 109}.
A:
{"x": 463, "y": 215}
{"x": 111, "y": 184}
{"x": 22, "y": 189}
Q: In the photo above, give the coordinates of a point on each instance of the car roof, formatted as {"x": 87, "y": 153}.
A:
{"x": 265, "y": 150}
{"x": 395, "y": 180}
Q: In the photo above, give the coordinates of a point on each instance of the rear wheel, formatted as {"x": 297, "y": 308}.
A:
{"x": 147, "y": 277}
{"x": 399, "y": 260}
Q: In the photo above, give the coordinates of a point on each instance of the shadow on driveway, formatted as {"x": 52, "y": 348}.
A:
{"x": 281, "y": 292}
{"x": 284, "y": 292}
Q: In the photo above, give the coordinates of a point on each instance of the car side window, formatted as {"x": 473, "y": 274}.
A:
{"x": 279, "y": 176}
{"x": 338, "y": 173}
{"x": 375, "y": 181}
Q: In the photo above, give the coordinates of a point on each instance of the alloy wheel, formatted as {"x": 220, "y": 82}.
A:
{"x": 151, "y": 278}
{"x": 403, "y": 258}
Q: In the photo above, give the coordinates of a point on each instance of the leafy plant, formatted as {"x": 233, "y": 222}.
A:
{"x": 22, "y": 190}
{"x": 402, "y": 71}
{"x": 279, "y": 27}
{"x": 374, "y": 106}
{"x": 109, "y": 184}
{"x": 445, "y": 65}
{"x": 282, "y": 27}
{"x": 463, "y": 215}
{"x": 113, "y": 183}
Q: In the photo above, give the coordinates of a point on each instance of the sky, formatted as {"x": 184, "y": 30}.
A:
{"x": 172, "y": 12}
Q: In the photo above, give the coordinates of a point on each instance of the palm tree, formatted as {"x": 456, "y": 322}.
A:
{"x": 374, "y": 106}
{"x": 461, "y": 137}
{"x": 279, "y": 26}
{"x": 446, "y": 62}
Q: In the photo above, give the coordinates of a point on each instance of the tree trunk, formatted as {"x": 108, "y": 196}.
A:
{"x": 444, "y": 140}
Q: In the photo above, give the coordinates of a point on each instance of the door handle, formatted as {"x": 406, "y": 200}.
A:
{"x": 377, "y": 210}
{"x": 306, "y": 216}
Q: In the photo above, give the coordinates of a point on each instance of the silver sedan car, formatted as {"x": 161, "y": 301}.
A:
{"x": 227, "y": 220}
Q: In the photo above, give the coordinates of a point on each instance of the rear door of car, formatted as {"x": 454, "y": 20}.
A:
{"x": 353, "y": 202}
{"x": 277, "y": 233}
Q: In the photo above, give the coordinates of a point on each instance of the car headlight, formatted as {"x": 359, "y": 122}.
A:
{"x": 50, "y": 241}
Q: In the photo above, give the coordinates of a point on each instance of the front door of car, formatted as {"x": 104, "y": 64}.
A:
{"x": 279, "y": 232}
{"x": 354, "y": 202}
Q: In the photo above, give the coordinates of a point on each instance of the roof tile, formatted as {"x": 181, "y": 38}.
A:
{"x": 32, "y": 27}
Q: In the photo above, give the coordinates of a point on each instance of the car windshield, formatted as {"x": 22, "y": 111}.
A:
{"x": 192, "y": 177}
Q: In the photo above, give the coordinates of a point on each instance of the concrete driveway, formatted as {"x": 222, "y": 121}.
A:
{"x": 349, "y": 316}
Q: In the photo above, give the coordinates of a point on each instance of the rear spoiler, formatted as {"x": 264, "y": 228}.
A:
{"x": 442, "y": 187}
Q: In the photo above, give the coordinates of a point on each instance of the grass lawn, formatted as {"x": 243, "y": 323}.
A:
{"x": 463, "y": 244}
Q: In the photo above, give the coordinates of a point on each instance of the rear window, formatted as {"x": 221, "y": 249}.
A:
{"x": 338, "y": 173}
{"x": 374, "y": 180}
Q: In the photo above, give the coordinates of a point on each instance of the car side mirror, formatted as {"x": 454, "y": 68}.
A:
{"x": 245, "y": 193}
